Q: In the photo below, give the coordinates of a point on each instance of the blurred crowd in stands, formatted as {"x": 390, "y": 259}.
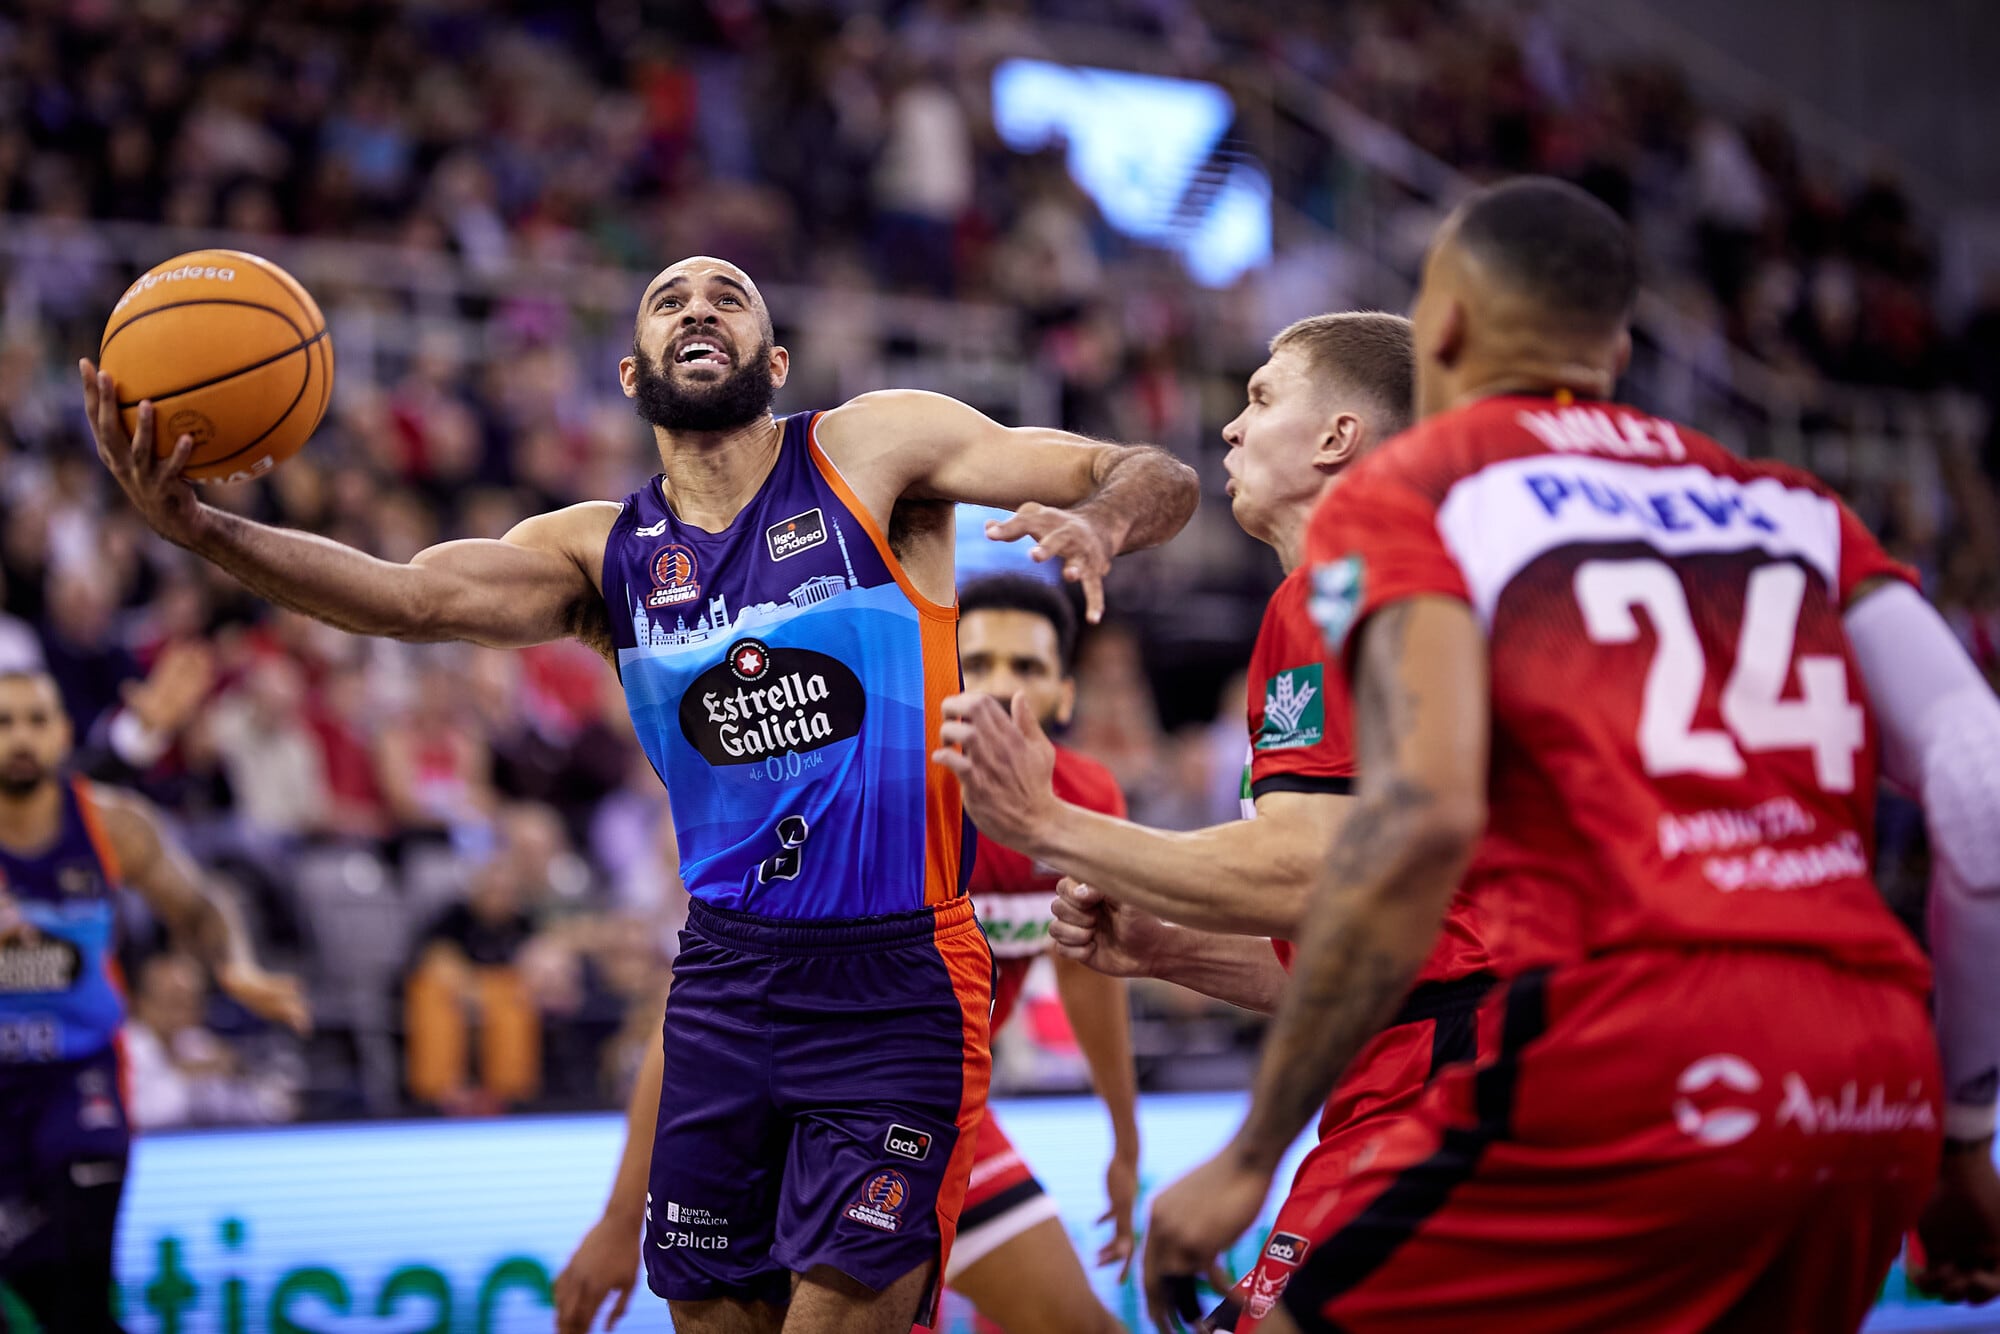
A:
{"x": 839, "y": 146}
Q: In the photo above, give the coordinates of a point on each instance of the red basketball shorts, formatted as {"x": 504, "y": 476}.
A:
{"x": 1656, "y": 1141}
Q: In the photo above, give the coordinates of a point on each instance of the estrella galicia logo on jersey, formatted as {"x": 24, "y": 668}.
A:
{"x": 882, "y": 1200}
{"x": 1294, "y": 712}
{"x": 1337, "y": 589}
{"x": 801, "y": 532}
{"x": 750, "y": 659}
{"x": 907, "y": 1143}
{"x": 39, "y": 965}
{"x": 1287, "y": 1248}
{"x": 674, "y": 581}
{"x": 761, "y": 701}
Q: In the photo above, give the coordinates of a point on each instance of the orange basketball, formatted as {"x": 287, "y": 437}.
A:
{"x": 232, "y": 351}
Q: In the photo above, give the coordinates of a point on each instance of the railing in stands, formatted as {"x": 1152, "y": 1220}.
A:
{"x": 385, "y": 303}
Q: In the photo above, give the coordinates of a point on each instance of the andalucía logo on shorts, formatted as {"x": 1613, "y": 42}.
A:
{"x": 761, "y": 701}
{"x": 1294, "y": 710}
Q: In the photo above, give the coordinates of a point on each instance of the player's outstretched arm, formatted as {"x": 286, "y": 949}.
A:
{"x": 1083, "y": 501}
{"x": 1421, "y": 721}
{"x": 535, "y": 585}
{"x": 202, "y": 921}
{"x": 1940, "y": 728}
{"x": 606, "y": 1261}
{"x": 1115, "y": 938}
{"x": 1246, "y": 876}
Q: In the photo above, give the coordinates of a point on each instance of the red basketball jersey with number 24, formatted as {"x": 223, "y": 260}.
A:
{"x": 1680, "y": 752}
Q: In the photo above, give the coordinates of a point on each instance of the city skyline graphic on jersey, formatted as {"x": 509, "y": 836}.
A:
{"x": 716, "y": 622}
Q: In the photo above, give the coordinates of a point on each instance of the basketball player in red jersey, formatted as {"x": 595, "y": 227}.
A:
{"x": 778, "y": 602}
{"x": 1601, "y": 676}
{"x": 1012, "y": 1259}
{"x": 1335, "y": 387}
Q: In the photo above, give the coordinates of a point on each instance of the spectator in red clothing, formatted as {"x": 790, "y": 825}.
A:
{"x": 432, "y": 762}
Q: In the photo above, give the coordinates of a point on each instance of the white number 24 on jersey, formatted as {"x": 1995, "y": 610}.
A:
{"x": 1822, "y": 720}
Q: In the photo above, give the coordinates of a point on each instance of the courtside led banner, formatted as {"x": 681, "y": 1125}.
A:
{"x": 446, "y": 1227}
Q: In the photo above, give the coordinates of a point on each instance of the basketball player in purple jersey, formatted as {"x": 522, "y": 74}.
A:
{"x": 66, "y": 847}
{"x": 778, "y": 604}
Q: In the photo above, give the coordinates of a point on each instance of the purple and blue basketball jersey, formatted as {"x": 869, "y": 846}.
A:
{"x": 826, "y": 1034}
{"x": 786, "y": 685}
{"x": 59, "y": 997}
{"x": 64, "y": 1135}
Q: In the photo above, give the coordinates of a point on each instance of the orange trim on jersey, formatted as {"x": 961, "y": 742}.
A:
{"x": 969, "y": 963}
{"x": 121, "y": 1058}
{"x": 93, "y": 825}
{"x": 944, "y": 802}
{"x": 827, "y": 470}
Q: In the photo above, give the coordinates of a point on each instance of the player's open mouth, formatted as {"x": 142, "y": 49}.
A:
{"x": 699, "y": 353}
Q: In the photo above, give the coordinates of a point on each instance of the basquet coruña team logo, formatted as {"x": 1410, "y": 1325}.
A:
{"x": 674, "y": 577}
{"x": 882, "y": 1200}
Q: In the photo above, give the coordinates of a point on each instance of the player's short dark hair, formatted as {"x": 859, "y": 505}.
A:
{"x": 1557, "y": 244}
{"x": 1368, "y": 351}
{"x": 1024, "y": 592}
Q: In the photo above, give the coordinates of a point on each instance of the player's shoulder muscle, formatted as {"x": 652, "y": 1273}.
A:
{"x": 891, "y": 424}
{"x": 129, "y": 823}
{"x": 576, "y": 533}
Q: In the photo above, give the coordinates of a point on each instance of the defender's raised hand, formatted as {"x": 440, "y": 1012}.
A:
{"x": 155, "y": 485}
{"x": 1084, "y": 549}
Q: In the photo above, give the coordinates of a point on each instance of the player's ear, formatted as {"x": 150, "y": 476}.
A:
{"x": 1622, "y": 356}
{"x": 1066, "y": 702}
{"x": 781, "y": 366}
{"x": 1449, "y": 344}
{"x": 1341, "y": 442}
{"x": 628, "y": 376}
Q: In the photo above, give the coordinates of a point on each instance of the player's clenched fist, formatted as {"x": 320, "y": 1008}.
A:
{"x": 1103, "y": 934}
{"x": 155, "y": 485}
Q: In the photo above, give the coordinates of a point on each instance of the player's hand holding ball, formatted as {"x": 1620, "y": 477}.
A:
{"x": 215, "y": 367}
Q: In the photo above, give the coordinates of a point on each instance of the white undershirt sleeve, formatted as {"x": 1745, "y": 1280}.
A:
{"x": 1940, "y": 727}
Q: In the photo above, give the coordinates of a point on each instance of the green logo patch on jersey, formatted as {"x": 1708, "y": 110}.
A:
{"x": 1336, "y": 597}
{"x": 1294, "y": 710}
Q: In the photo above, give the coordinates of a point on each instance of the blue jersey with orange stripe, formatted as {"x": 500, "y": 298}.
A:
{"x": 786, "y": 680}
{"x": 60, "y": 999}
